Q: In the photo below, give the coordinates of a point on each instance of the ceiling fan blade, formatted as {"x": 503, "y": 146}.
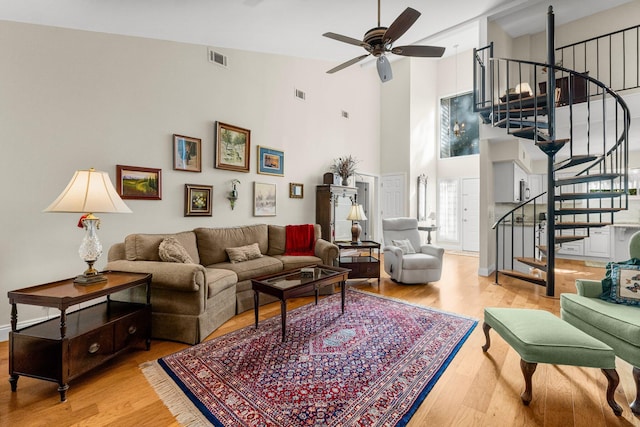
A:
{"x": 384, "y": 69}
{"x": 346, "y": 64}
{"x": 346, "y": 39}
{"x": 423, "y": 51}
{"x": 401, "y": 25}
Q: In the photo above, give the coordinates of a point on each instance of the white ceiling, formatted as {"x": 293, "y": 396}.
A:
{"x": 295, "y": 27}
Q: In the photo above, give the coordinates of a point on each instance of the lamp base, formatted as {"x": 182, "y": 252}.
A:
{"x": 85, "y": 279}
{"x": 355, "y": 234}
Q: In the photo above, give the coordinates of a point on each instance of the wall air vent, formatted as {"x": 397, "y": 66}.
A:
{"x": 301, "y": 95}
{"x": 345, "y": 114}
{"x": 216, "y": 58}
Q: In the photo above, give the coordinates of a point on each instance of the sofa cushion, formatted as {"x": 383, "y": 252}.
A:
{"x": 625, "y": 285}
{"x": 213, "y": 242}
{"x": 170, "y": 250}
{"x": 218, "y": 280}
{"x": 244, "y": 253}
{"x": 621, "y": 321}
{"x": 420, "y": 262}
{"x": 290, "y": 262}
{"x": 145, "y": 247}
{"x": 251, "y": 268}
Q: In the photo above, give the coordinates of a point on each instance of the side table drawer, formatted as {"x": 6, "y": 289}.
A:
{"x": 90, "y": 350}
{"x": 133, "y": 330}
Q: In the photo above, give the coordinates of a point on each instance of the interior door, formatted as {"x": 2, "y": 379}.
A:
{"x": 471, "y": 214}
{"x": 392, "y": 196}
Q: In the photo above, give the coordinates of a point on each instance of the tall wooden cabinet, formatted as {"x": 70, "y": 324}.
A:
{"x": 333, "y": 203}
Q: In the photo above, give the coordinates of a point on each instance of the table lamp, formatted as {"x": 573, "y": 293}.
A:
{"x": 432, "y": 217}
{"x": 356, "y": 214}
{"x": 89, "y": 191}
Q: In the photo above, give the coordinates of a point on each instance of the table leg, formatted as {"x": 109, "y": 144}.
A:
{"x": 283, "y": 316}
{"x": 256, "y": 303}
{"x": 13, "y": 380}
{"x": 14, "y": 317}
{"x": 62, "y": 389}
{"x": 343, "y": 292}
{"x": 317, "y": 292}
{"x": 428, "y": 237}
{"x": 63, "y": 323}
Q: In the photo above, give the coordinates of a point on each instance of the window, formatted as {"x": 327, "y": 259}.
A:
{"x": 467, "y": 142}
{"x": 448, "y": 221}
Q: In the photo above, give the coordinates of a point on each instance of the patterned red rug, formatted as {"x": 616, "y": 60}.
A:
{"x": 371, "y": 366}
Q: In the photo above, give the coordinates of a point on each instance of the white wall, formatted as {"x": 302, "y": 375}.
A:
{"x": 73, "y": 100}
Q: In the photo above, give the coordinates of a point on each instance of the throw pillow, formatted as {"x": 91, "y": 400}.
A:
{"x": 606, "y": 282}
{"x": 244, "y": 253}
{"x": 405, "y": 245}
{"x": 625, "y": 284}
{"x": 170, "y": 250}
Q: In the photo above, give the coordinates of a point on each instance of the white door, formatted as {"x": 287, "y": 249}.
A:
{"x": 471, "y": 214}
{"x": 392, "y": 196}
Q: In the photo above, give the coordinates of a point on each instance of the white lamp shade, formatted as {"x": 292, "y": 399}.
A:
{"x": 356, "y": 213}
{"x": 89, "y": 191}
{"x": 523, "y": 88}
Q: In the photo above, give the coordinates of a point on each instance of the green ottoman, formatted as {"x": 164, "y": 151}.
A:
{"x": 540, "y": 337}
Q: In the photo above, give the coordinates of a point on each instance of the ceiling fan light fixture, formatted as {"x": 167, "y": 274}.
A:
{"x": 384, "y": 69}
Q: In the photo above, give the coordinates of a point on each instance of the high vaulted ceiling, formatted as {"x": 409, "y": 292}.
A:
{"x": 295, "y": 27}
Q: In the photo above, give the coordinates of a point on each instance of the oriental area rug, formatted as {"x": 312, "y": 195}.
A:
{"x": 371, "y": 366}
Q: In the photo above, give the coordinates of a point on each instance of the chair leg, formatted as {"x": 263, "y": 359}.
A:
{"x": 635, "y": 405}
{"x": 527, "y": 370}
{"x": 485, "y": 328}
{"x": 612, "y": 383}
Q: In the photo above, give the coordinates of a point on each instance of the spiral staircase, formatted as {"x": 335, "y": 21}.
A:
{"x": 582, "y": 126}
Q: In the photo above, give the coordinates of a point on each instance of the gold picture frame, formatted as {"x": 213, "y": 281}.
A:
{"x": 296, "y": 191}
{"x": 198, "y": 200}
{"x": 233, "y": 147}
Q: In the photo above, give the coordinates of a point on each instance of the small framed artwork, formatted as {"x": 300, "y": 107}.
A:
{"x": 197, "y": 200}
{"x": 296, "y": 191}
{"x": 270, "y": 161}
{"x": 264, "y": 199}
{"x": 232, "y": 147}
{"x": 187, "y": 154}
{"x": 139, "y": 183}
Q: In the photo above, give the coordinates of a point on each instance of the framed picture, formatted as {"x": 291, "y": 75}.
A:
{"x": 270, "y": 161}
{"x": 139, "y": 183}
{"x": 197, "y": 200}
{"x": 264, "y": 199}
{"x": 296, "y": 191}
{"x": 232, "y": 147}
{"x": 187, "y": 153}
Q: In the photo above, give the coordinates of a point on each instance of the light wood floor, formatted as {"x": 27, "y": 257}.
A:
{"x": 477, "y": 389}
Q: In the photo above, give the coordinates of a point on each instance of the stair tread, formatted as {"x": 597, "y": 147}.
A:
{"x": 533, "y": 262}
{"x": 524, "y": 276}
{"x": 580, "y": 224}
{"x": 569, "y": 238}
{"x": 579, "y": 211}
{"x": 589, "y": 195}
{"x": 575, "y": 160}
{"x": 579, "y": 179}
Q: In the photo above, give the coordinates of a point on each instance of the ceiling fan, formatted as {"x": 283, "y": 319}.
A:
{"x": 378, "y": 42}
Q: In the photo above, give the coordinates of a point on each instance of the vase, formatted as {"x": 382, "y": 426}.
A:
{"x": 345, "y": 181}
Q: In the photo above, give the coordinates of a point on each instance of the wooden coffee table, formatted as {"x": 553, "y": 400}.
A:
{"x": 290, "y": 283}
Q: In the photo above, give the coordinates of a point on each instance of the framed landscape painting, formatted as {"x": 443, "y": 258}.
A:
{"x": 187, "y": 153}
{"x": 197, "y": 200}
{"x": 264, "y": 199}
{"x": 270, "y": 161}
{"x": 233, "y": 145}
{"x": 134, "y": 182}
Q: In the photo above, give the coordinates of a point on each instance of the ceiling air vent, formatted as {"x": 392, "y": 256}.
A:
{"x": 345, "y": 114}
{"x": 216, "y": 57}
{"x": 301, "y": 95}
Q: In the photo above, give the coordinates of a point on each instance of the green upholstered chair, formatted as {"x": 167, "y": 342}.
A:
{"x": 616, "y": 325}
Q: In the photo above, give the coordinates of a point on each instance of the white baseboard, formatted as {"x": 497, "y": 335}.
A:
{"x": 486, "y": 271}
{"x": 5, "y": 329}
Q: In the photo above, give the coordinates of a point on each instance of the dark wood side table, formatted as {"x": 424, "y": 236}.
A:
{"x": 362, "y": 266}
{"x": 62, "y": 348}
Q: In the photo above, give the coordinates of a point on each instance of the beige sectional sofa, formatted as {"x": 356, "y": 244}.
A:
{"x": 191, "y": 300}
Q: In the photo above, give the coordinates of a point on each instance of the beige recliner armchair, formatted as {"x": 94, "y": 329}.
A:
{"x": 406, "y": 259}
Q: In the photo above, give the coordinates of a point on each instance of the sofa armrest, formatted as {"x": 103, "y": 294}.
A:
{"x": 432, "y": 250}
{"x": 326, "y": 251}
{"x": 589, "y": 288}
{"x": 392, "y": 250}
{"x": 166, "y": 275}
{"x": 116, "y": 252}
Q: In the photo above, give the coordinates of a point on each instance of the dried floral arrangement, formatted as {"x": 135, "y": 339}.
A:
{"x": 344, "y": 166}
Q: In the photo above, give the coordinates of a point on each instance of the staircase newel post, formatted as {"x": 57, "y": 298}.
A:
{"x": 551, "y": 182}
